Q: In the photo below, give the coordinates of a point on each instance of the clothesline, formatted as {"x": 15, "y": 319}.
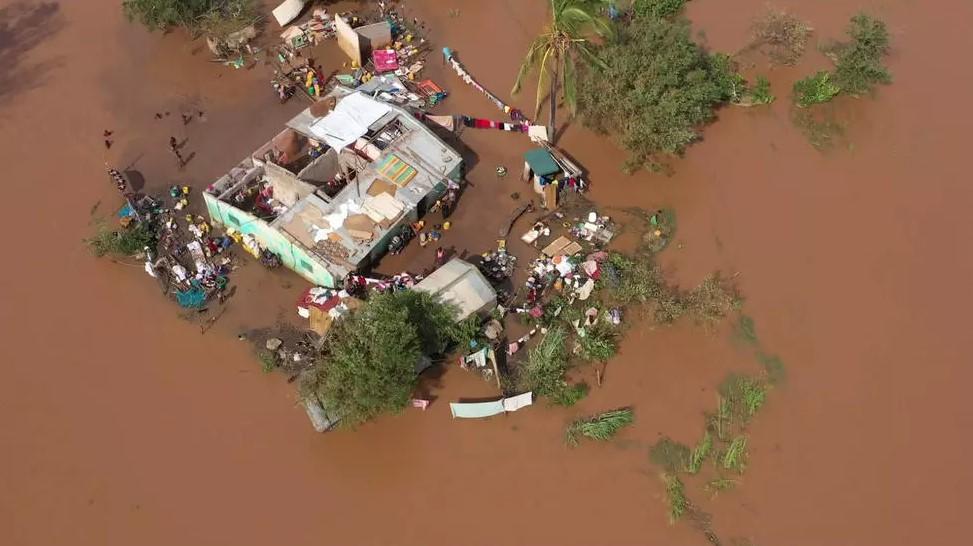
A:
{"x": 514, "y": 113}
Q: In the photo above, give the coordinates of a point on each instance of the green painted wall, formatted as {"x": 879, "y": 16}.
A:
{"x": 292, "y": 255}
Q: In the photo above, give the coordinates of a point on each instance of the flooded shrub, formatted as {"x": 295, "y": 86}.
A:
{"x": 652, "y": 116}
{"x": 602, "y": 427}
{"x": 209, "y": 16}
{"x": 781, "y": 35}
{"x": 858, "y": 63}
{"x": 815, "y": 89}
{"x": 712, "y": 300}
{"x": 122, "y": 243}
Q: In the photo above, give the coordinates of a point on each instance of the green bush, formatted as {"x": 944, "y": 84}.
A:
{"x": 123, "y": 243}
{"x": 657, "y": 8}
{"x": 858, "y": 63}
{"x": 369, "y": 364}
{"x": 656, "y": 89}
{"x": 815, "y": 89}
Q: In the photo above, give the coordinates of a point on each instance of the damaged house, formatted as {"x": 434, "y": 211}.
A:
{"x": 329, "y": 192}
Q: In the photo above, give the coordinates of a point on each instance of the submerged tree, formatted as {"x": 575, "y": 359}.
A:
{"x": 653, "y": 88}
{"x": 370, "y": 364}
{"x": 858, "y": 63}
{"x": 555, "y": 54}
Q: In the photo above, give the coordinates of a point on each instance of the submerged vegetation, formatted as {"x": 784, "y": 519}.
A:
{"x": 781, "y": 35}
{"x": 602, "y": 427}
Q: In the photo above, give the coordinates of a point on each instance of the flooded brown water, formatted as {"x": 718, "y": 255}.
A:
{"x": 120, "y": 424}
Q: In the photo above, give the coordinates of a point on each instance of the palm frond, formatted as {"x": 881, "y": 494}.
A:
{"x": 543, "y": 80}
{"x": 530, "y": 61}
{"x": 569, "y": 80}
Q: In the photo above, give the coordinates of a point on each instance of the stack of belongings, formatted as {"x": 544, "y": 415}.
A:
{"x": 322, "y": 306}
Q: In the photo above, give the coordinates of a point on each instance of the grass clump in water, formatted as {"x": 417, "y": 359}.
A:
{"x": 570, "y": 395}
{"x": 746, "y": 395}
{"x": 543, "y": 371}
{"x": 675, "y": 496}
{"x": 700, "y": 453}
{"x": 669, "y": 454}
{"x": 601, "y": 427}
{"x": 718, "y": 485}
{"x": 735, "y": 456}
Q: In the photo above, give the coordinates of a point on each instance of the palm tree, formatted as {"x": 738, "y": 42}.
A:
{"x": 555, "y": 53}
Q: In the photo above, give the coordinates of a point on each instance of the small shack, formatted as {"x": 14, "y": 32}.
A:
{"x": 540, "y": 166}
{"x": 460, "y": 283}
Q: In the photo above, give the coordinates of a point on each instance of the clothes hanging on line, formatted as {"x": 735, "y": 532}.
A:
{"x": 450, "y": 58}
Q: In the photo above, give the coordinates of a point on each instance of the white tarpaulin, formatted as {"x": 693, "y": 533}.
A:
{"x": 288, "y": 10}
{"x": 479, "y": 410}
{"x": 461, "y": 284}
{"x": 349, "y": 120}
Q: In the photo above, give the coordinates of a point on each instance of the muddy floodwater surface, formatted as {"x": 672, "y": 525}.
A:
{"x": 121, "y": 424}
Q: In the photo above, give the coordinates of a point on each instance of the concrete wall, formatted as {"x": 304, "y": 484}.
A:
{"x": 287, "y": 188}
{"x": 292, "y": 255}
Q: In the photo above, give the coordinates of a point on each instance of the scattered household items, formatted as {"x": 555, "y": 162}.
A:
{"x": 323, "y": 306}
{"x": 358, "y": 43}
{"x": 476, "y": 410}
{"x": 497, "y": 265}
{"x": 419, "y": 403}
{"x": 483, "y": 361}
{"x": 460, "y": 284}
